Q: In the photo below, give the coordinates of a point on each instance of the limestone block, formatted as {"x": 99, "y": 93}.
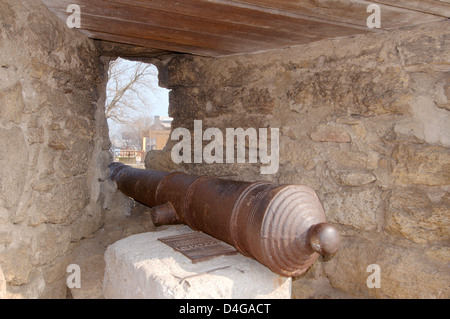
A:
{"x": 355, "y": 92}
{"x": 180, "y": 71}
{"x": 414, "y": 51}
{"x": 427, "y": 121}
{"x": 355, "y": 178}
{"x": 15, "y": 155}
{"x": 258, "y": 101}
{"x": 65, "y": 201}
{"x": 4, "y": 214}
{"x": 418, "y": 214}
{"x": 328, "y": 133}
{"x": 186, "y": 103}
{"x": 11, "y": 105}
{"x": 422, "y": 164}
{"x": 141, "y": 267}
{"x": 340, "y": 159}
{"x": 404, "y": 271}
{"x": 52, "y": 241}
{"x": 75, "y": 160}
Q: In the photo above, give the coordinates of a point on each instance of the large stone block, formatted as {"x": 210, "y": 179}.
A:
{"x": 419, "y": 214}
{"x": 426, "y": 122}
{"x": 329, "y": 133}
{"x": 16, "y": 262}
{"x": 349, "y": 91}
{"x": 75, "y": 159}
{"x": 404, "y": 271}
{"x": 52, "y": 241}
{"x": 66, "y": 201}
{"x": 186, "y": 103}
{"x": 421, "y": 164}
{"x": 354, "y": 177}
{"x": 414, "y": 50}
{"x": 13, "y": 166}
{"x": 359, "y": 209}
{"x": 140, "y": 266}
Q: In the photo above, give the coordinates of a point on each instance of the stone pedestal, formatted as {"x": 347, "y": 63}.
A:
{"x": 141, "y": 266}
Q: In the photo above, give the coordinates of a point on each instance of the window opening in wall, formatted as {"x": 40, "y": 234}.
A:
{"x": 136, "y": 111}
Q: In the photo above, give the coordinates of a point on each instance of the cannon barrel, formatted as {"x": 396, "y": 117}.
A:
{"x": 281, "y": 226}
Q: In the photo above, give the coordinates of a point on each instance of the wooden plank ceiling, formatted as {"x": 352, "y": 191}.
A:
{"x": 225, "y": 27}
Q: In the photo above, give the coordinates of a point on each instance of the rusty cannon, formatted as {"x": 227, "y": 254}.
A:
{"x": 281, "y": 226}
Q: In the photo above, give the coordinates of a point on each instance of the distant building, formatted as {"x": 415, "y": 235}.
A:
{"x": 157, "y": 136}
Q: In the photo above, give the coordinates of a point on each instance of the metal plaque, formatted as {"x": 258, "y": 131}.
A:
{"x": 198, "y": 246}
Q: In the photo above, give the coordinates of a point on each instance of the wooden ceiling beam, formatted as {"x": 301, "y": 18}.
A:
{"x": 231, "y": 12}
{"x": 223, "y": 27}
{"x": 154, "y": 19}
{"x": 172, "y": 47}
{"x": 168, "y": 29}
{"x": 354, "y": 12}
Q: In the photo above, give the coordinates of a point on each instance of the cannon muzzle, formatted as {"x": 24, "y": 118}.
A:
{"x": 281, "y": 226}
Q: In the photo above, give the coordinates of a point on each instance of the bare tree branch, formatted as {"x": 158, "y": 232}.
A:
{"x": 128, "y": 85}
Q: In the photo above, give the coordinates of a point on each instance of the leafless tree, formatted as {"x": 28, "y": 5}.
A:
{"x": 134, "y": 131}
{"x": 128, "y": 85}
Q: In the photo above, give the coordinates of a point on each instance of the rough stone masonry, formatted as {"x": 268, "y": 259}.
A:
{"x": 54, "y": 148}
{"x": 365, "y": 122}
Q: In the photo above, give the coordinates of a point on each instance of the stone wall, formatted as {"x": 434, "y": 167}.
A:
{"x": 54, "y": 148}
{"x": 365, "y": 122}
